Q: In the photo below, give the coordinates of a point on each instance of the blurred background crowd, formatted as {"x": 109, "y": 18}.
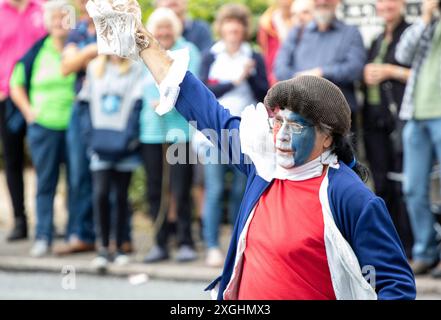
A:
{"x": 66, "y": 109}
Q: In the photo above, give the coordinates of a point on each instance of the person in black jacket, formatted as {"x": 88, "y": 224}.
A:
{"x": 236, "y": 75}
{"x": 385, "y": 81}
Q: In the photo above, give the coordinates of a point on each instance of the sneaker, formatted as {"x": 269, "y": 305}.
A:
{"x": 214, "y": 258}
{"x": 121, "y": 259}
{"x": 186, "y": 253}
{"x": 101, "y": 261}
{"x": 156, "y": 254}
{"x": 40, "y": 248}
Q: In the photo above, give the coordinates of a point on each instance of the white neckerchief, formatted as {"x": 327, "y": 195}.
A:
{"x": 257, "y": 143}
{"x": 309, "y": 170}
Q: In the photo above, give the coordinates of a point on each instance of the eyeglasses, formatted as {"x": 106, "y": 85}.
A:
{"x": 292, "y": 126}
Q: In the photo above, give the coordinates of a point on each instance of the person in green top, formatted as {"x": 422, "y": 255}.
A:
{"x": 420, "y": 46}
{"x": 384, "y": 84}
{"x": 45, "y": 97}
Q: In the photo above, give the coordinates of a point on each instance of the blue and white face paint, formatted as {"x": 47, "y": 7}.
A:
{"x": 294, "y": 138}
{"x": 259, "y": 136}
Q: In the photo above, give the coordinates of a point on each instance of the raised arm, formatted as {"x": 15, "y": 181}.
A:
{"x": 195, "y": 101}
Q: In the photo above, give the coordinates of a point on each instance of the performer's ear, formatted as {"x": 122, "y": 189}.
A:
{"x": 327, "y": 143}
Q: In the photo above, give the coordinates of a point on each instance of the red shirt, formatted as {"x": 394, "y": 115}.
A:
{"x": 285, "y": 255}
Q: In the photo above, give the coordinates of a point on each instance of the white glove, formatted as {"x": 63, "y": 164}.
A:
{"x": 256, "y": 140}
{"x": 115, "y": 22}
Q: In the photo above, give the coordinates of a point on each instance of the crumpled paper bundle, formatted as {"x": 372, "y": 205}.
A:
{"x": 115, "y": 22}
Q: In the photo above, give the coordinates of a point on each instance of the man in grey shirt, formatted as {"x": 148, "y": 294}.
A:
{"x": 328, "y": 48}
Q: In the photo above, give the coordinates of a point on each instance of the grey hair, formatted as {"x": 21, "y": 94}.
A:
{"x": 165, "y": 14}
{"x": 50, "y": 6}
{"x": 324, "y": 128}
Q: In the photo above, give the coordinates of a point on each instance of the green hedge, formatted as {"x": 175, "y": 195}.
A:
{"x": 206, "y": 9}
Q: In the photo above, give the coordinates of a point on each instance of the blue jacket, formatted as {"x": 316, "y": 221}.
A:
{"x": 361, "y": 217}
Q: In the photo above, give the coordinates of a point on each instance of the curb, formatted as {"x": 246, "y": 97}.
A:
{"x": 164, "y": 271}
{"x": 428, "y": 285}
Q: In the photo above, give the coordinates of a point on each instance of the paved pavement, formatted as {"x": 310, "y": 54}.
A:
{"x": 14, "y": 256}
{"x": 53, "y": 286}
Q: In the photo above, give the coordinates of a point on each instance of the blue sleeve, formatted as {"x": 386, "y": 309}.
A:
{"x": 350, "y": 69}
{"x": 198, "y": 104}
{"x": 259, "y": 81}
{"x": 376, "y": 243}
{"x": 284, "y": 64}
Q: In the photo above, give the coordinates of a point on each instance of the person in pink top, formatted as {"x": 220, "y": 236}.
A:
{"x": 21, "y": 26}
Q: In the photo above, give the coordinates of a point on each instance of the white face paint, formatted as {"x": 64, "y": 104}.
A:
{"x": 284, "y": 150}
{"x": 294, "y": 139}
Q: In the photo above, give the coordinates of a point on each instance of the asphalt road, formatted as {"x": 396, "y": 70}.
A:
{"x": 52, "y": 286}
{"x": 29, "y": 286}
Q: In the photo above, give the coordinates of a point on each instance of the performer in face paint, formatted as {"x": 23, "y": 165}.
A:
{"x": 308, "y": 227}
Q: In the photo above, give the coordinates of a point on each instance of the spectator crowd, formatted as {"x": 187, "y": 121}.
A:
{"x": 94, "y": 114}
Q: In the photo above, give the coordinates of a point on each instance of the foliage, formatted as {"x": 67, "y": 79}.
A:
{"x": 206, "y": 9}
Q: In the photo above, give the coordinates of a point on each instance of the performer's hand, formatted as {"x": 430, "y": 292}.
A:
{"x": 153, "y": 55}
{"x": 142, "y": 38}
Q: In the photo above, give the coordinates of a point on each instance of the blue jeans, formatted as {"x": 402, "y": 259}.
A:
{"x": 48, "y": 152}
{"x": 421, "y": 141}
{"x": 80, "y": 222}
{"x": 214, "y": 191}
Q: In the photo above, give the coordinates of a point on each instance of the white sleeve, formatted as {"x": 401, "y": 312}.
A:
{"x": 169, "y": 87}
